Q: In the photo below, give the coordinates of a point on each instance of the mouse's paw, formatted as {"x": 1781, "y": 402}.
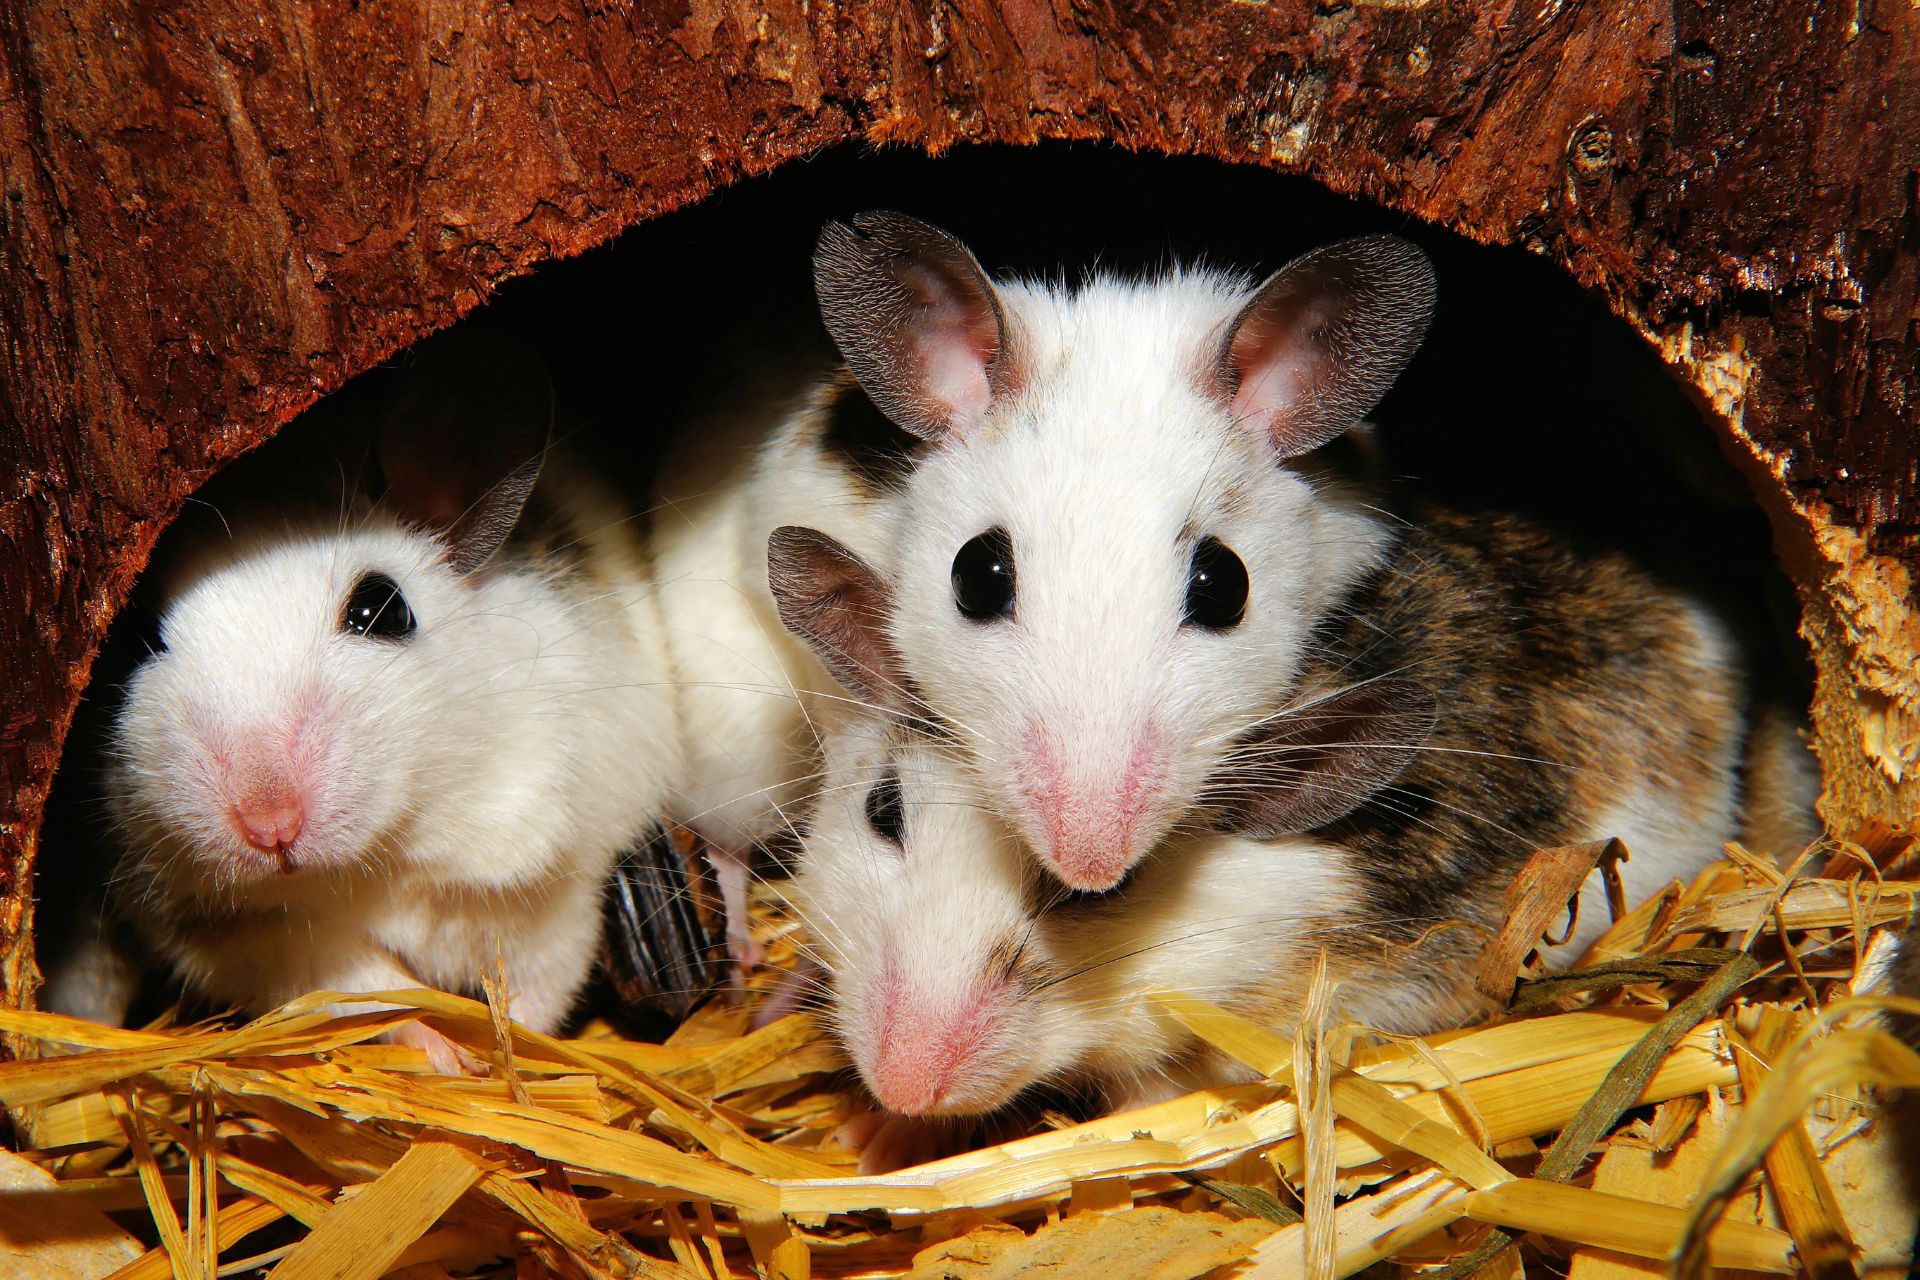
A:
{"x": 444, "y": 1056}
{"x": 888, "y": 1142}
{"x": 789, "y": 994}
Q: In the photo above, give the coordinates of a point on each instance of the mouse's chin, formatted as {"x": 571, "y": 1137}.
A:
{"x": 261, "y": 866}
{"x": 301, "y": 860}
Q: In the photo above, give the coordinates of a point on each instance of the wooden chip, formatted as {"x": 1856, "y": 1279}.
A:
{"x": 1673, "y": 1121}
{"x": 1634, "y": 1170}
{"x": 1312, "y": 1078}
{"x": 1869, "y": 1173}
{"x": 1537, "y": 898}
{"x": 237, "y": 1220}
{"x": 1809, "y": 904}
{"x": 571, "y": 1232}
{"x": 779, "y": 1251}
{"x": 1691, "y": 964}
{"x": 1810, "y": 1068}
{"x": 1625, "y": 1085}
{"x": 620, "y": 1159}
{"x": 1148, "y": 1243}
{"x": 1366, "y": 1228}
{"x": 1257, "y": 1201}
{"x": 366, "y": 1233}
{"x": 1267, "y": 1052}
{"x": 47, "y": 1235}
{"x": 172, "y": 1239}
{"x": 1625, "y": 1226}
{"x": 1100, "y": 1195}
{"x": 1384, "y": 1116}
{"x": 1807, "y": 1204}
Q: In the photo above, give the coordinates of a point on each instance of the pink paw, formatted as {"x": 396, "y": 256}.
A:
{"x": 889, "y": 1142}
{"x": 789, "y": 994}
{"x": 443, "y": 1055}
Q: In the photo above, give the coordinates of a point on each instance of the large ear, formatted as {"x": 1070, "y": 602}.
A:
{"x": 1318, "y": 761}
{"x": 828, "y": 597}
{"x": 1324, "y": 338}
{"x": 916, "y": 320}
{"x": 462, "y": 442}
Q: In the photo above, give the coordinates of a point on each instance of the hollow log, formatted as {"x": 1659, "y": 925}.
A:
{"x": 216, "y": 211}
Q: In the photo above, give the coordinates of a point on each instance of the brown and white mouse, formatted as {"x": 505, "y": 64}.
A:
{"x": 1487, "y": 691}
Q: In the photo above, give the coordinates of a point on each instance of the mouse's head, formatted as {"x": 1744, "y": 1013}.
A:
{"x": 960, "y": 978}
{"x": 317, "y": 670}
{"x": 1112, "y": 565}
{"x": 919, "y": 906}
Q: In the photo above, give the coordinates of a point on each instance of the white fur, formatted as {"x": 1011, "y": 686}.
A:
{"x": 1222, "y": 917}
{"x": 924, "y": 917}
{"x": 1672, "y": 830}
{"x": 469, "y": 787}
{"x": 751, "y": 691}
{"x": 1233, "y": 920}
{"x": 1107, "y": 467}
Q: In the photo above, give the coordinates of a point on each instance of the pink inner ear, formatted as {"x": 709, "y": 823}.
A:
{"x": 955, "y": 375}
{"x": 1278, "y": 361}
{"x": 955, "y": 336}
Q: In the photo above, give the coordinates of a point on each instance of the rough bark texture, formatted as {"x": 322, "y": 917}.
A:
{"x": 214, "y": 211}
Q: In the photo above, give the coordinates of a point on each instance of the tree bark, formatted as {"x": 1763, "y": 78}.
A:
{"x": 215, "y": 211}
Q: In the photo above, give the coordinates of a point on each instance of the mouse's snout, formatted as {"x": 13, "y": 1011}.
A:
{"x": 1091, "y": 815}
{"x": 940, "y": 1052}
{"x": 263, "y": 780}
{"x": 269, "y": 820}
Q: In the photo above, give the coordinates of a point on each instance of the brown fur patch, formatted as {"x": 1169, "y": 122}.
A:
{"x": 854, "y": 436}
{"x": 1565, "y": 681}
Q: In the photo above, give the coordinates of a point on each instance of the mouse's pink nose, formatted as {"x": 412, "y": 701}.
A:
{"x": 269, "y": 824}
{"x": 928, "y": 1052}
{"x": 909, "y": 1089}
{"x": 1093, "y": 825}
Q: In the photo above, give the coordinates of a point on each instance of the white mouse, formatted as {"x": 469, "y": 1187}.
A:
{"x": 797, "y": 444}
{"x": 1120, "y": 542}
{"x": 394, "y": 743}
{"x": 961, "y": 975}
{"x": 1154, "y": 425}
{"x": 1486, "y": 691}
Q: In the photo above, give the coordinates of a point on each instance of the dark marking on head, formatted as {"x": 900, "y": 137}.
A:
{"x": 856, "y": 437}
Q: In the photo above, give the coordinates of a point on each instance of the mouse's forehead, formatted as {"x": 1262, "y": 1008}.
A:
{"x": 268, "y": 584}
{"x": 955, "y": 872}
{"x": 945, "y": 827}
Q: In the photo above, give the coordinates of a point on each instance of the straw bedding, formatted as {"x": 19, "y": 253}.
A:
{"x": 1708, "y": 1090}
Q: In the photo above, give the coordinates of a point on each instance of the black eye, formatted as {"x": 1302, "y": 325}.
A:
{"x": 884, "y": 812}
{"x": 1216, "y": 587}
{"x": 377, "y": 609}
{"x": 983, "y": 576}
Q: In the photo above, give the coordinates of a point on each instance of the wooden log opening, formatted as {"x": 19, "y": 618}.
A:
{"x": 215, "y": 213}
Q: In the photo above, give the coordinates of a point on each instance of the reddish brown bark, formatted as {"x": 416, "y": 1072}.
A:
{"x": 215, "y": 211}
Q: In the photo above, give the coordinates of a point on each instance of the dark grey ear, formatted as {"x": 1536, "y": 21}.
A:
{"x": 828, "y": 597}
{"x": 1321, "y": 759}
{"x": 916, "y": 320}
{"x": 462, "y": 442}
{"x": 1324, "y": 338}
